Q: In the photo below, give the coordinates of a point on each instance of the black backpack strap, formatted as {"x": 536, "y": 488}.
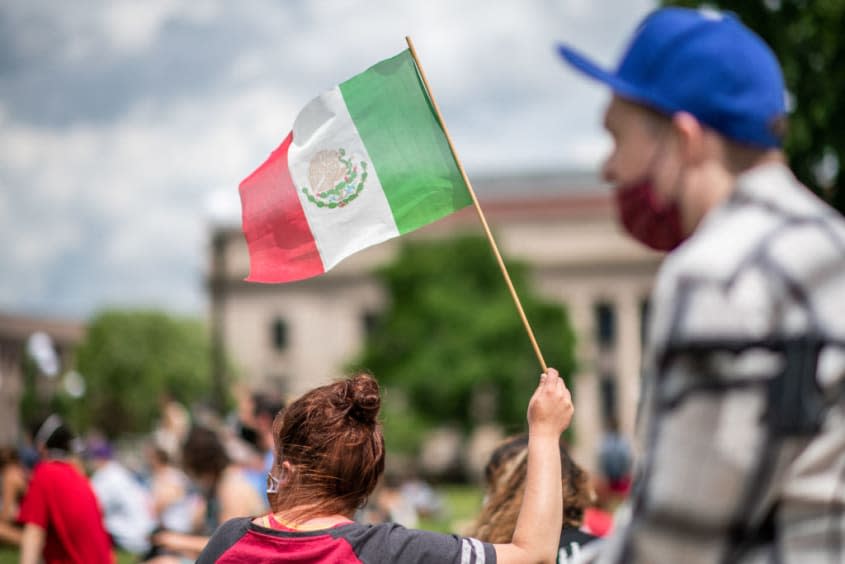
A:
{"x": 796, "y": 403}
{"x": 796, "y": 407}
{"x": 743, "y": 538}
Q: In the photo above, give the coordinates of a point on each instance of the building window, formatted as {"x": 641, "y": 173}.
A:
{"x": 645, "y": 309}
{"x": 371, "y": 322}
{"x": 605, "y": 318}
{"x": 607, "y": 392}
{"x": 605, "y": 324}
{"x": 280, "y": 334}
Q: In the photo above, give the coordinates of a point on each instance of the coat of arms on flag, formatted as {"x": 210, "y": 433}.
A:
{"x": 335, "y": 178}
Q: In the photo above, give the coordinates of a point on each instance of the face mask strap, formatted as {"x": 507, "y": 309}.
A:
{"x": 275, "y": 479}
{"x": 272, "y": 484}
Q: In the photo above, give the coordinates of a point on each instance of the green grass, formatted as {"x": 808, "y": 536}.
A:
{"x": 461, "y": 505}
{"x": 9, "y": 555}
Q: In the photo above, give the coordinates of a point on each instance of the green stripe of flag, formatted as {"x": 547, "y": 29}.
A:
{"x": 408, "y": 148}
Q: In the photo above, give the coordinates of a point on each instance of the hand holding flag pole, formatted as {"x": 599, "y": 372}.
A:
{"x": 478, "y": 209}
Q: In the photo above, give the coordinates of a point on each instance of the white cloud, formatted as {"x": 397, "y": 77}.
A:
{"x": 113, "y": 207}
{"x": 133, "y": 26}
{"x": 144, "y": 181}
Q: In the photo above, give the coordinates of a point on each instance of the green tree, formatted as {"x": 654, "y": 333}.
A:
{"x": 806, "y": 36}
{"x": 130, "y": 360}
{"x": 451, "y": 343}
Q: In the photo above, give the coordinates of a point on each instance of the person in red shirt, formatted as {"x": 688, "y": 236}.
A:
{"x": 62, "y": 519}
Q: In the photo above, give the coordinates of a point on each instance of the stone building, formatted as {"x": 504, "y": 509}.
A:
{"x": 295, "y": 336}
{"x": 15, "y": 333}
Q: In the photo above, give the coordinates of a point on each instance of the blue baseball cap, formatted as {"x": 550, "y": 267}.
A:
{"x": 705, "y": 63}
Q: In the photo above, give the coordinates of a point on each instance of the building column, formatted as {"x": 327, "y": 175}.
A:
{"x": 217, "y": 290}
{"x": 587, "y": 395}
{"x": 11, "y": 390}
{"x": 628, "y": 359}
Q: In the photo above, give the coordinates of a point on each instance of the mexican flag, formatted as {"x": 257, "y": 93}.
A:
{"x": 365, "y": 162}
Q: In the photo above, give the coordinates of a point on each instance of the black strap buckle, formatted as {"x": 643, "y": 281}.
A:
{"x": 796, "y": 402}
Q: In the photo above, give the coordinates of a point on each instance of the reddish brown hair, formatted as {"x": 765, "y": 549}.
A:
{"x": 333, "y": 439}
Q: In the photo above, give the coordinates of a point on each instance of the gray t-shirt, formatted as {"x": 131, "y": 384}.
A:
{"x": 240, "y": 541}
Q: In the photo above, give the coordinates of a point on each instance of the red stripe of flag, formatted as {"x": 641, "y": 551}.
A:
{"x": 281, "y": 246}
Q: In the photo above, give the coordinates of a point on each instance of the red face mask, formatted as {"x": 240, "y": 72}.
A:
{"x": 656, "y": 225}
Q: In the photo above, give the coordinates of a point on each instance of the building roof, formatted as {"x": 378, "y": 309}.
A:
{"x": 537, "y": 185}
{"x": 19, "y": 328}
{"x": 535, "y": 195}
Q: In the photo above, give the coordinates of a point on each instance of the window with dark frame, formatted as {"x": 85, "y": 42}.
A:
{"x": 645, "y": 308}
{"x": 607, "y": 393}
{"x": 605, "y": 319}
{"x": 370, "y": 321}
{"x": 280, "y": 334}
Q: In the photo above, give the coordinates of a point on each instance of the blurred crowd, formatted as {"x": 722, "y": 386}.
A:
{"x": 161, "y": 496}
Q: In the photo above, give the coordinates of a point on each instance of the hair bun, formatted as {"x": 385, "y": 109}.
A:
{"x": 364, "y": 400}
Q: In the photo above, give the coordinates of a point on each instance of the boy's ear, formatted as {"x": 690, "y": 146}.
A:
{"x": 691, "y": 136}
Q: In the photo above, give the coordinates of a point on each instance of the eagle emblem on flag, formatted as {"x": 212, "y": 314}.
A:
{"x": 336, "y": 178}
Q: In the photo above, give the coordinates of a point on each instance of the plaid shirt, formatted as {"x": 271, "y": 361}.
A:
{"x": 742, "y": 433}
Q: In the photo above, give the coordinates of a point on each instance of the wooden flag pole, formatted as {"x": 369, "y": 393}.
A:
{"x": 487, "y": 231}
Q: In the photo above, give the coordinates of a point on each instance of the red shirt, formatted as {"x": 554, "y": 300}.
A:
{"x": 240, "y": 541}
{"x": 60, "y": 501}
{"x": 598, "y": 521}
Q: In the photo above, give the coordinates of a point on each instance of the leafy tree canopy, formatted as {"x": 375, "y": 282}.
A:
{"x": 806, "y": 36}
{"x": 451, "y": 342}
{"x": 131, "y": 360}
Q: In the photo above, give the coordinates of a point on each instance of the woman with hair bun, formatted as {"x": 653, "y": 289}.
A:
{"x": 329, "y": 455}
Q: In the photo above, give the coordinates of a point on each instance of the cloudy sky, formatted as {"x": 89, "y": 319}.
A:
{"x": 126, "y": 125}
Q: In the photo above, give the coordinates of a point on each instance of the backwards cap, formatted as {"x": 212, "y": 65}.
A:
{"x": 703, "y": 62}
